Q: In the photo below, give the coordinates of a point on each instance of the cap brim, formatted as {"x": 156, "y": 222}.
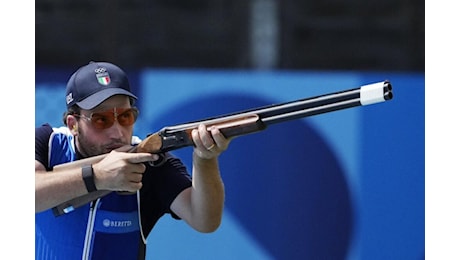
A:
{"x": 99, "y": 97}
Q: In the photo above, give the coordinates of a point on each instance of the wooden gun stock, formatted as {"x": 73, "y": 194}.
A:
{"x": 237, "y": 124}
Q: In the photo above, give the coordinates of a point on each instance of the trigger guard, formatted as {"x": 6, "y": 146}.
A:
{"x": 161, "y": 160}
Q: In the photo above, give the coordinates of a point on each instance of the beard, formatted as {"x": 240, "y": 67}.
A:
{"x": 89, "y": 149}
{"x": 86, "y": 148}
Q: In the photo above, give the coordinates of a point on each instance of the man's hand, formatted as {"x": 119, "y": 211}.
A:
{"x": 209, "y": 144}
{"x": 121, "y": 171}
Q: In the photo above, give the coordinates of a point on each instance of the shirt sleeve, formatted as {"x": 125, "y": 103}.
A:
{"x": 42, "y": 135}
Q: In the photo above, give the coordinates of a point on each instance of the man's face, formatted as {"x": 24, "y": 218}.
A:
{"x": 92, "y": 141}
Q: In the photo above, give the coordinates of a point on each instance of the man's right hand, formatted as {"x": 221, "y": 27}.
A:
{"x": 121, "y": 171}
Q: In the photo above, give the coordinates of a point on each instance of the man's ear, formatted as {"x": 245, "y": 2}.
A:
{"x": 72, "y": 124}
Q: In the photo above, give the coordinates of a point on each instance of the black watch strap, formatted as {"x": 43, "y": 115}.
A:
{"x": 88, "y": 177}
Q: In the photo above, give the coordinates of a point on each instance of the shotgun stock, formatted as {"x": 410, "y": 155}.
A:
{"x": 237, "y": 124}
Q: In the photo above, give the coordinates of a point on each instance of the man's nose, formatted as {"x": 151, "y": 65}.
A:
{"x": 116, "y": 130}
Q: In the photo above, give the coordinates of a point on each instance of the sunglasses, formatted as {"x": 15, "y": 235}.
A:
{"x": 106, "y": 119}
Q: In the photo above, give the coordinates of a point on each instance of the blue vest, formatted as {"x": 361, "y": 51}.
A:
{"x": 107, "y": 228}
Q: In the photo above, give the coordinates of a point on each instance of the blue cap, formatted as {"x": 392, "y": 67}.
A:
{"x": 91, "y": 84}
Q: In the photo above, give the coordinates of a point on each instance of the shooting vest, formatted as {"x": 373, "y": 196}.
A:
{"x": 107, "y": 228}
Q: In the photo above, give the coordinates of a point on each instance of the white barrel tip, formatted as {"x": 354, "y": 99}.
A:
{"x": 375, "y": 93}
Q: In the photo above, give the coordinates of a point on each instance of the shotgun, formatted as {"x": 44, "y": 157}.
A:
{"x": 237, "y": 124}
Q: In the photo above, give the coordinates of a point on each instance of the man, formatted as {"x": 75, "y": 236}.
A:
{"x": 99, "y": 120}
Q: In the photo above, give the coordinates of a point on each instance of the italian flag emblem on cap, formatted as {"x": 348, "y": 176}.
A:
{"x": 104, "y": 80}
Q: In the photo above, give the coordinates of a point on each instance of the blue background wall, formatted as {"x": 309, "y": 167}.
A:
{"x": 343, "y": 185}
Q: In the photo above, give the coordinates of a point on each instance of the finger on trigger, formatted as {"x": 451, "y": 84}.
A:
{"x": 141, "y": 157}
